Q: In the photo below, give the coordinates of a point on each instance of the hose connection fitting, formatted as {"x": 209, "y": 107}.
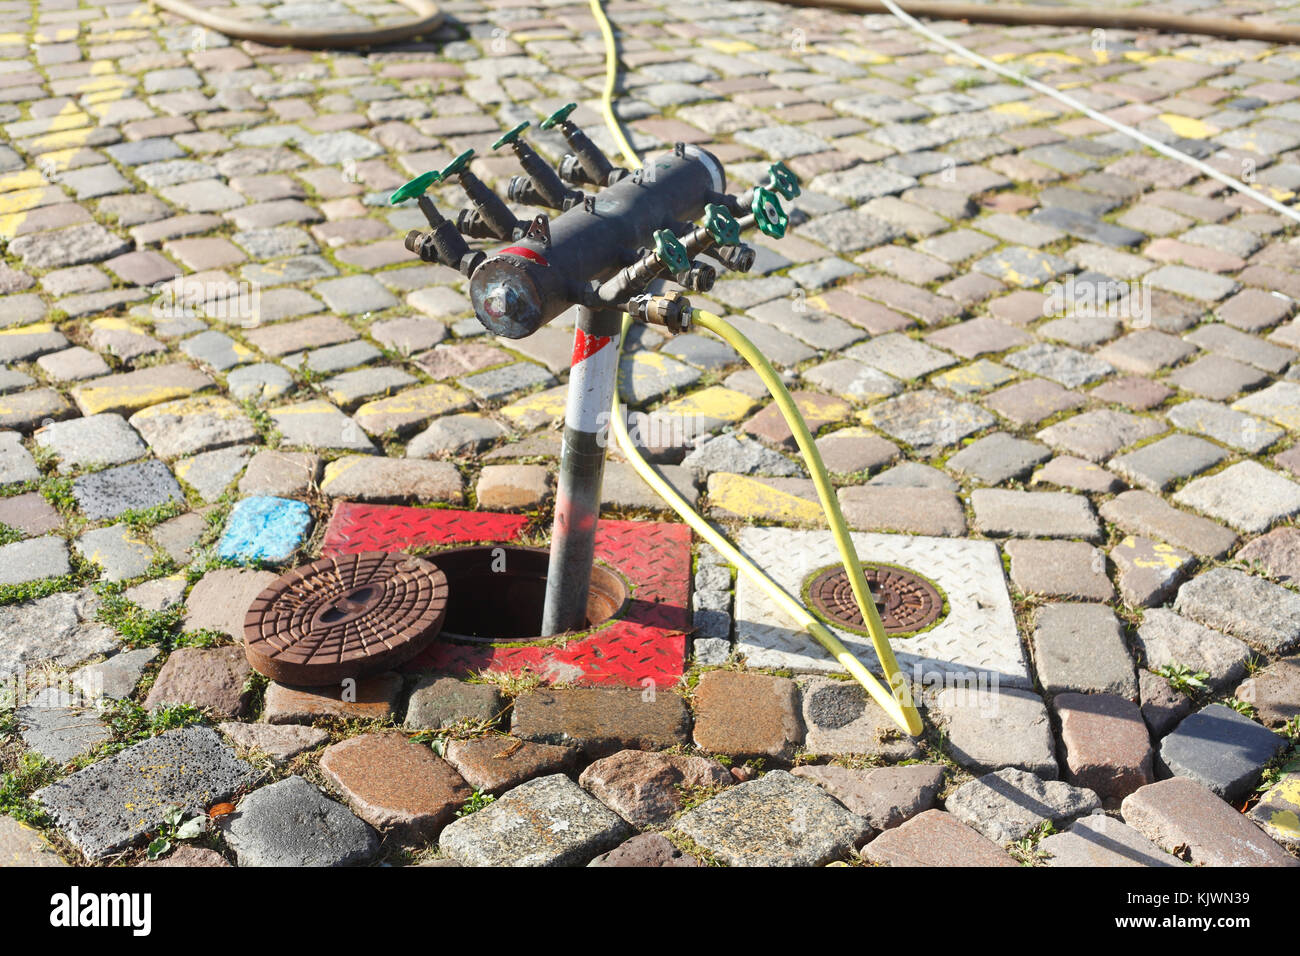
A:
{"x": 672, "y": 310}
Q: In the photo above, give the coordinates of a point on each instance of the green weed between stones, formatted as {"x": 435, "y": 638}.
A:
{"x": 17, "y": 786}
{"x": 476, "y": 802}
{"x": 9, "y": 535}
{"x": 1183, "y": 679}
{"x": 132, "y": 724}
{"x": 1026, "y": 851}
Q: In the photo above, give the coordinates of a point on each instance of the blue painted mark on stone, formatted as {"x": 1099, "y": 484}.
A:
{"x": 264, "y": 529}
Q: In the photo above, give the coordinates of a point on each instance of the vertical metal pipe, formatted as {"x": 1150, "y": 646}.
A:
{"x": 593, "y": 376}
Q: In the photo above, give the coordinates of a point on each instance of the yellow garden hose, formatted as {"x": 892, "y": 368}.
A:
{"x": 897, "y": 704}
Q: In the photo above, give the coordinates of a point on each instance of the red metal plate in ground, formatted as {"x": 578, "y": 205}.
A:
{"x": 907, "y": 601}
{"x": 343, "y": 616}
{"x": 645, "y": 644}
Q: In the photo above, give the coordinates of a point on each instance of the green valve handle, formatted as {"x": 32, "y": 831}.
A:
{"x": 559, "y": 116}
{"x": 769, "y": 215}
{"x": 782, "y": 180}
{"x": 416, "y": 187}
{"x": 721, "y": 225}
{"x": 670, "y": 251}
{"x": 457, "y": 165}
{"x": 511, "y": 136}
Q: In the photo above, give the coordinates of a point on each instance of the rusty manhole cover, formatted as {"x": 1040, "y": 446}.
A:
{"x": 907, "y": 601}
{"x": 345, "y": 616}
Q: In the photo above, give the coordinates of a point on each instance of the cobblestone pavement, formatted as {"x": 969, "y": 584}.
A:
{"x": 210, "y": 331}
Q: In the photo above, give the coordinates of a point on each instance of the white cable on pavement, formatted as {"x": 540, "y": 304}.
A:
{"x": 1176, "y": 154}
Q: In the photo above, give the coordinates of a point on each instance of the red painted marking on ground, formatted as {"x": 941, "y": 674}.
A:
{"x": 648, "y": 642}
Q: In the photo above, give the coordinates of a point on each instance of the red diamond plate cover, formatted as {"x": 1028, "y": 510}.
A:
{"x": 647, "y": 643}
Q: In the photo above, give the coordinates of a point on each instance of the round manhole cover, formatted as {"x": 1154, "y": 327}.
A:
{"x": 345, "y": 616}
{"x": 907, "y": 601}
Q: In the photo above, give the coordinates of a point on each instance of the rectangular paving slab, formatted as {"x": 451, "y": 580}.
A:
{"x": 115, "y": 803}
{"x": 977, "y": 635}
{"x": 776, "y": 820}
{"x": 549, "y": 821}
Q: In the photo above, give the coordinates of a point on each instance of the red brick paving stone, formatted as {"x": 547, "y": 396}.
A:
{"x": 1180, "y": 813}
{"x": 1290, "y": 460}
{"x": 646, "y": 789}
{"x": 211, "y": 678}
{"x": 1059, "y": 569}
{"x": 1252, "y": 310}
{"x": 646, "y": 849}
{"x": 1163, "y": 708}
{"x": 928, "y": 511}
{"x": 1066, "y": 471}
{"x": 979, "y": 336}
{"x": 872, "y": 316}
{"x": 925, "y": 306}
{"x": 1027, "y": 403}
{"x": 886, "y": 796}
{"x": 219, "y": 601}
{"x": 935, "y": 838}
{"x": 142, "y": 268}
{"x": 396, "y": 785}
{"x": 1008, "y": 202}
{"x": 373, "y": 697}
{"x": 1133, "y": 392}
{"x": 1279, "y": 553}
{"x": 200, "y": 254}
{"x": 601, "y": 721}
{"x": 497, "y": 764}
{"x": 29, "y": 513}
{"x": 817, "y": 409}
{"x": 747, "y": 715}
{"x": 1019, "y": 308}
{"x": 1105, "y": 743}
{"x": 286, "y": 337}
{"x": 1274, "y": 692}
{"x": 188, "y": 856}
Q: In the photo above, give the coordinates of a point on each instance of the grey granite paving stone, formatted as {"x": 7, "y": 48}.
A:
{"x": 1099, "y": 840}
{"x": 56, "y": 727}
{"x": 1081, "y": 648}
{"x": 1231, "y": 427}
{"x": 989, "y": 730}
{"x": 1062, "y": 365}
{"x": 998, "y": 457}
{"x": 1046, "y": 514}
{"x": 113, "y": 804}
{"x": 291, "y": 823}
{"x": 1259, "y": 612}
{"x": 928, "y": 420}
{"x": 776, "y": 820}
{"x": 1247, "y": 496}
{"x": 548, "y": 821}
{"x": 107, "y": 494}
{"x": 1158, "y": 465}
{"x": 1099, "y": 434}
{"x": 1220, "y": 749}
{"x": 1010, "y": 804}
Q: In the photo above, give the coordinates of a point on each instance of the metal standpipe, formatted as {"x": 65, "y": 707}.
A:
{"x": 593, "y": 376}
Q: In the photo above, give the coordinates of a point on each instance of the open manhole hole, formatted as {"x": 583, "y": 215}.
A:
{"x": 497, "y": 593}
{"x": 907, "y": 602}
{"x": 345, "y": 616}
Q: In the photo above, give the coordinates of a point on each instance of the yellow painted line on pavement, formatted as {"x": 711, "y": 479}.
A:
{"x": 751, "y": 498}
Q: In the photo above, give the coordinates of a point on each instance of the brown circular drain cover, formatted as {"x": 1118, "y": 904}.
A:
{"x": 907, "y": 601}
{"x": 345, "y": 616}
